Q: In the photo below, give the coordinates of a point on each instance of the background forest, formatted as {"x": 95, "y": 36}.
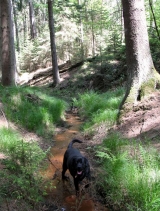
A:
{"x": 89, "y": 44}
{"x": 82, "y": 29}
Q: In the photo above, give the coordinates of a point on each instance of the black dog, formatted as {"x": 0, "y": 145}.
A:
{"x": 77, "y": 164}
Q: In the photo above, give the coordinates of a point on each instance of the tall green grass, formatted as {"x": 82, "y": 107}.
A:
{"x": 32, "y": 108}
{"x": 131, "y": 179}
{"x": 20, "y": 178}
{"x": 98, "y": 108}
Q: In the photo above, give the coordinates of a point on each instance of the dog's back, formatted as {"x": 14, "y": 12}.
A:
{"x": 74, "y": 141}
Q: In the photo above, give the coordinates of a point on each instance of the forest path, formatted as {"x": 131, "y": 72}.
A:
{"x": 64, "y": 193}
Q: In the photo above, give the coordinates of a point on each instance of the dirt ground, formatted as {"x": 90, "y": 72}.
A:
{"x": 143, "y": 122}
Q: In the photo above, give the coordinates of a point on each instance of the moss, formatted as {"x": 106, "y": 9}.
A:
{"x": 132, "y": 95}
{"x": 157, "y": 78}
{"x": 148, "y": 88}
{"x": 137, "y": 94}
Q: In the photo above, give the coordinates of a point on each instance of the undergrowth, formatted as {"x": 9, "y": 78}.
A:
{"x": 20, "y": 178}
{"x": 131, "y": 178}
{"x": 99, "y": 107}
{"x": 32, "y": 108}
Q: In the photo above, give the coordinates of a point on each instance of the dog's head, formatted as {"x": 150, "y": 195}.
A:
{"x": 80, "y": 165}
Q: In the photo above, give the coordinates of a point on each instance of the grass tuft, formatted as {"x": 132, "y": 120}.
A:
{"x": 23, "y": 160}
{"x": 98, "y": 108}
{"x": 132, "y": 174}
{"x": 32, "y": 108}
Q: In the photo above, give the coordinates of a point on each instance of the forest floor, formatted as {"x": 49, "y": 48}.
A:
{"x": 140, "y": 123}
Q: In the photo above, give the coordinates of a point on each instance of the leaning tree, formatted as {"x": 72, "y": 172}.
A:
{"x": 142, "y": 76}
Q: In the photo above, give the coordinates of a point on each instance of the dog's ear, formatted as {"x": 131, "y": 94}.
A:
{"x": 86, "y": 162}
{"x": 74, "y": 161}
{"x": 72, "y": 166}
{"x": 87, "y": 168}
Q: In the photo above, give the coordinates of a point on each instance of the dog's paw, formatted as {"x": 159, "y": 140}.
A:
{"x": 87, "y": 185}
{"x": 77, "y": 193}
{"x": 65, "y": 178}
{"x": 54, "y": 176}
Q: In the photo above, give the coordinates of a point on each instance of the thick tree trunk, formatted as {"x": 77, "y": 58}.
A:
{"x": 56, "y": 77}
{"x": 142, "y": 76}
{"x": 8, "y": 50}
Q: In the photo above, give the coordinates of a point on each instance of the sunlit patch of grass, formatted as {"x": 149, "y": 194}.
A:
{"x": 98, "y": 108}
{"x": 132, "y": 174}
{"x": 8, "y": 139}
{"x": 108, "y": 115}
{"x": 20, "y": 178}
{"x": 32, "y": 108}
{"x": 18, "y": 150}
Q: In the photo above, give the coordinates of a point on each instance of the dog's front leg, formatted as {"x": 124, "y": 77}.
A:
{"x": 64, "y": 169}
{"x": 76, "y": 184}
{"x": 63, "y": 175}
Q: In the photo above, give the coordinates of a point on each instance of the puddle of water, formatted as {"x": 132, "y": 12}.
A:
{"x": 61, "y": 192}
{"x": 79, "y": 204}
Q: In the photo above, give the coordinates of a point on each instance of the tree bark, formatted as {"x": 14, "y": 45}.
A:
{"x": 33, "y": 29}
{"x": 81, "y": 32}
{"x": 154, "y": 18}
{"x": 8, "y": 50}
{"x": 16, "y": 26}
{"x": 56, "y": 77}
{"x": 142, "y": 76}
{"x": 93, "y": 36}
{"x": 0, "y": 41}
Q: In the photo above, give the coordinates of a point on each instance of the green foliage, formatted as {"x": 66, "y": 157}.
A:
{"x": 78, "y": 25}
{"x": 98, "y": 108}
{"x": 35, "y": 53}
{"x": 155, "y": 46}
{"x": 132, "y": 174}
{"x": 32, "y": 108}
{"x": 20, "y": 178}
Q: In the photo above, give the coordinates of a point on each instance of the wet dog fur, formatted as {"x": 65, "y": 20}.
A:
{"x": 77, "y": 164}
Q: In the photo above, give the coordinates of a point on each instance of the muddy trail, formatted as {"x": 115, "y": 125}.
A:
{"x": 62, "y": 194}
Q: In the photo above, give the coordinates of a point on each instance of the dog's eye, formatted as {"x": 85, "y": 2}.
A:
{"x": 79, "y": 160}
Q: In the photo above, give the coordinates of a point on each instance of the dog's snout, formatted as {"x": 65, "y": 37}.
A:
{"x": 79, "y": 167}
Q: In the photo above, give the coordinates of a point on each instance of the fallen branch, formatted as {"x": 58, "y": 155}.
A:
{"x": 29, "y": 78}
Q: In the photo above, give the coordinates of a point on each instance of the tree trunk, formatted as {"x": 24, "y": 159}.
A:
{"x": 33, "y": 30}
{"x": 56, "y": 77}
{"x": 142, "y": 76}
{"x": 81, "y": 32}
{"x": 93, "y": 37}
{"x": 8, "y": 50}
{"x": 0, "y": 41}
{"x": 24, "y": 29}
{"x": 154, "y": 18}
{"x": 16, "y": 26}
